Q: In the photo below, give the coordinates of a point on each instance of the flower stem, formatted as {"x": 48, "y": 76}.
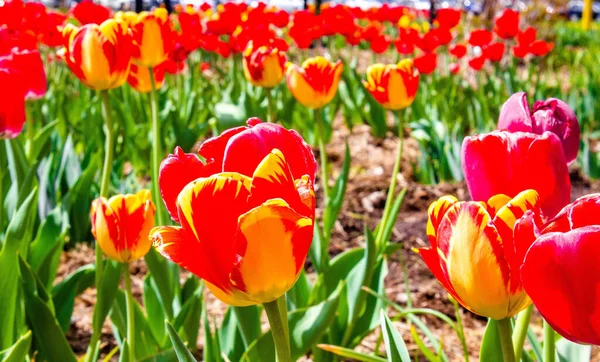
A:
{"x": 460, "y": 330}
{"x": 505, "y": 331}
{"x": 549, "y": 343}
{"x": 156, "y": 153}
{"x": 392, "y": 190}
{"x": 277, "y": 315}
{"x": 130, "y": 311}
{"x": 322, "y": 154}
{"x": 30, "y": 129}
{"x": 520, "y": 332}
{"x": 270, "y": 106}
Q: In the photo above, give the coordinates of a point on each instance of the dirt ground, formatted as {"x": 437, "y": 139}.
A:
{"x": 372, "y": 163}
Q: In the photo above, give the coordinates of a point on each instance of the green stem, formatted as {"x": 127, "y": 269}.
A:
{"x": 109, "y": 144}
{"x": 505, "y": 331}
{"x": 270, "y": 106}
{"x": 3, "y": 170}
{"x": 549, "y": 343}
{"x": 392, "y": 190}
{"x": 460, "y": 330}
{"x": 130, "y": 312}
{"x": 30, "y": 129}
{"x": 322, "y": 154}
{"x": 156, "y": 154}
{"x": 277, "y": 315}
{"x": 520, "y": 332}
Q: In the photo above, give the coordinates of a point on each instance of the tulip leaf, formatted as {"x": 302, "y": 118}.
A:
{"x": 491, "y": 350}
{"x": 17, "y": 236}
{"x": 394, "y": 345}
{"x": 41, "y": 139}
{"x": 212, "y": 348}
{"x": 307, "y": 326}
{"x": 124, "y": 357}
{"x": 107, "y": 291}
{"x": 334, "y": 204}
{"x": 18, "y": 351}
{"x": 154, "y": 311}
{"x": 190, "y": 314}
{"x": 183, "y": 354}
{"x": 64, "y": 293}
{"x": 573, "y": 352}
{"x": 297, "y": 297}
{"x": 231, "y": 335}
{"x": 48, "y": 336}
{"x": 160, "y": 271}
{"x": 350, "y": 353}
{"x": 44, "y": 251}
{"x": 168, "y": 355}
{"x": 319, "y": 252}
{"x": 422, "y": 347}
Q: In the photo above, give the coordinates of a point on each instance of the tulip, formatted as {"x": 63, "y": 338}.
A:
{"x": 540, "y": 48}
{"x": 551, "y": 115}
{"x": 454, "y": 68}
{"x": 190, "y": 25}
{"x": 153, "y": 37}
{"x": 480, "y": 37}
{"x": 458, "y": 51}
{"x": 264, "y": 66}
{"x": 139, "y": 78}
{"x": 88, "y": 12}
{"x": 494, "y": 51}
{"x": 246, "y": 214}
{"x": 508, "y": 163}
{"x": 394, "y": 86}
{"x": 121, "y": 225}
{"x": 507, "y": 24}
{"x": 426, "y": 63}
{"x": 447, "y": 18}
{"x": 526, "y": 37}
{"x": 315, "y": 83}
{"x": 380, "y": 44}
{"x": 30, "y": 67}
{"x": 477, "y": 249}
{"x": 477, "y": 63}
{"x": 99, "y": 55}
{"x": 12, "y": 108}
{"x": 561, "y": 272}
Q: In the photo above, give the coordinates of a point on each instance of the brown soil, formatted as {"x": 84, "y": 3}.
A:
{"x": 372, "y": 163}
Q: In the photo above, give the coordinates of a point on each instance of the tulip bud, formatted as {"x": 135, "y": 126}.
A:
{"x": 557, "y": 117}
{"x": 394, "y": 86}
{"x": 264, "y": 66}
{"x": 315, "y": 83}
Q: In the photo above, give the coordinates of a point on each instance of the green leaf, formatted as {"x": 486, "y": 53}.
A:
{"x": 107, "y": 292}
{"x": 422, "y": 347}
{"x": 573, "y": 352}
{"x": 17, "y": 237}
{"x": 394, "y": 345}
{"x": 491, "y": 350}
{"x": 212, "y": 348}
{"x": 160, "y": 273}
{"x": 18, "y": 351}
{"x": 48, "y": 336}
{"x": 183, "y": 355}
{"x": 334, "y": 204}
{"x": 41, "y": 139}
{"x": 230, "y": 335}
{"x": 297, "y": 297}
{"x": 248, "y": 321}
{"x": 189, "y": 317}
{"x": 64, "y": 293}
{"x": 124, "y": 357}
{"x": 349, "y": 353}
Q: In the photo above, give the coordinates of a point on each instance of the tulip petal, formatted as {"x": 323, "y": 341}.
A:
{"x": 475, "y": 262}
{"x": 209, "y": 209}
{"x": 173, "y": 243}
{"x": 561, "y": 274}
{"x": 582, "y": 212}
{"x": 273, "y": 248}
{"x": 556, "y": 116}
{"x": 515, "y": 115}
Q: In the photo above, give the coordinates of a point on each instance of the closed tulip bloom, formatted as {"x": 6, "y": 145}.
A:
{"x": 153, "y": 37}
{"x": 394, "y": 86}
{"x": 264, "y": 66}
{"x": 315, "y": 83}
{"x": 139, "y": 78}
{"x": 508, "y": 163}
{"x": 480, "y": 37}
{"x": 30, "y": 67}
{"x": 246, "y": 215}
{"x": 12, "y": 107}
{"x": 99, "y": 55}
{"x": 551, "y": 115}
{"x": 494, "y": 51}
{"x": 507, "y": 24}
{"x": 561, "y": 272}
{"x": 477, "y": 249}
{"x": 121, "y": 225}
{"x": 426, "y": 63}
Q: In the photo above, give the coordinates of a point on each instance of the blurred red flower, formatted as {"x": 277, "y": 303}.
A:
{"x": 494, "y": 51}
{"x": 426, "y": 63}
{"x": 88, "y": 12}
{"x": 480, "y": 37}
{"x": 454, "y": 68}
{"x": 458, "y": 51}
{"x": 380, "y": 44}
{"x": 477, "y": 62}
{"x": 447, "y": 18}
{"x": 507, "y": 24}
{"x": 540, "y": 48}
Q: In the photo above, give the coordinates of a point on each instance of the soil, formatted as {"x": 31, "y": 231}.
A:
{"x": 372, "y": 164}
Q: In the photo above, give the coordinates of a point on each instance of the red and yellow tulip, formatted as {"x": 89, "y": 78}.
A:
{"x": 153, "y": 37}
{"x": 477, "y": 249}
{"x": 246, "y": 215}
{"x": 315, "y": 83}
{"x": 121, "y": 225}
{"x": 394, "y": 86}
{"x": 139, "y": 78}
{"x": 99, "y": 55}
{"x": 264, "y": 66}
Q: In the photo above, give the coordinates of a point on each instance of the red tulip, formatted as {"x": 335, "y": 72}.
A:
{"x": 520, "y": 51}
{"x": 426, "y": 63}
{"x": 552, "y": 115}
{"x": 380, "y": 44}
{"x": 12, "y": 107}
{"x": 454, "y": 68}
{"x": 480, "y": 37}
{"x": 507, "y": 24}
{"x": 190, "y": 30}
{"x": 458, "y": 51}
{"x": 407, "y": 38}
{"x": 88, "y": 12}
{"x": 508, "y": 163}
{"x": 30, "y": 67}
{"x": 526, "y": 37}
{"x": 447, "y": 18}
{"x": 239, "y": 149}
{"x": 561, "y": 272}
{"x": 540, "y": 48}
{"x": 477, "y": 63}
{"x": 494, "y": 51}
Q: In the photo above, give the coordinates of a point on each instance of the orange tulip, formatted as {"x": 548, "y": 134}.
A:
{"x": 121, "y": 225}
{"x": 477, "y": 250}
{"x": 99, "y": 55}
{"x": 139, "y": 78}
{"x": 394, "y": 86}
{"x": 264, "y": 66}
{"x": 315, "y": 83}
{"x": 152, "y": 36}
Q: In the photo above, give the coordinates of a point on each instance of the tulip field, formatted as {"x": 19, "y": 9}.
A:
{"x": 242, "y": 183}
